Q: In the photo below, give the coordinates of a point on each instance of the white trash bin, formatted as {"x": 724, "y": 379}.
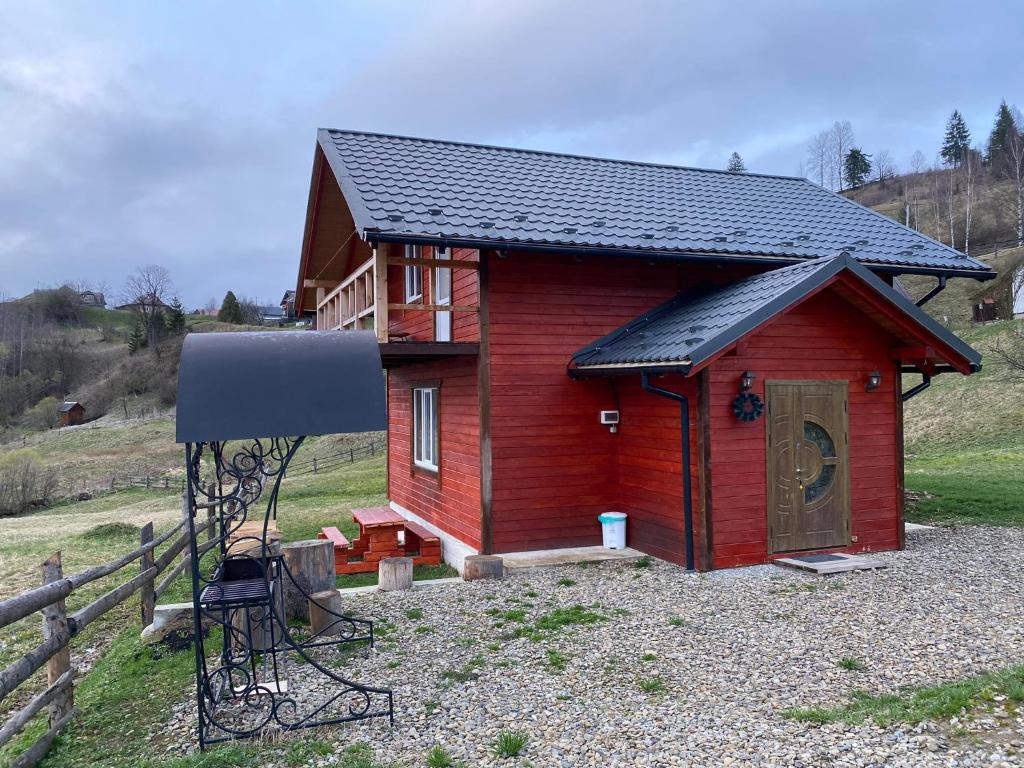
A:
{"x": 613, "y": 528}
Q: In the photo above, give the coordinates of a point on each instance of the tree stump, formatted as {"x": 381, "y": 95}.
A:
{"x": 477, "y": 567}
{"x": 324, "y": 609}
{"x": 311, "y": 565}
{"x": 395, "y": 574}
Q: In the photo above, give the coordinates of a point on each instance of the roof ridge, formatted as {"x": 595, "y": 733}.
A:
{"x": 570, "y": 155}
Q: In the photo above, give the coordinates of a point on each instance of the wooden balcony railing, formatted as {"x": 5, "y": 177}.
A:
{"x": 360, "y": 302}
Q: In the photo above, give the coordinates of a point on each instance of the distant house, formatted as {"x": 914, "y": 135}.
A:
{"x": 92, "y": 299}
{"x": 271, "y": 314}
{"x": 288, "y": 304}
{"x": 71, "y": 412}
{"x": 206, "y": 311}
{"x": 149, "y": 301}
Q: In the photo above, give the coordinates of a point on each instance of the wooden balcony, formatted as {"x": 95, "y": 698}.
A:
{"x": 352, "y": 306}
{"x": 360, "y": 302}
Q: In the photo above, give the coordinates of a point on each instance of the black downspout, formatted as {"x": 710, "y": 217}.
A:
{"x": 684, "y": 419}
{"x": 932, "y": 293}
{"x": 926, "y": 381}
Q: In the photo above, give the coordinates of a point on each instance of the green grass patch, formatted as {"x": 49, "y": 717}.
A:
{"x": 911, "y": 706}
{"x": 439, "y": 757}
{"x": 419, "y": 573}
{"x": 112, "y": 532}
{"x": 555, "y": 660}
{"x": 852, "y": 664}
{"x": 510, "y": 743}
{"x": 982, "y": 487}
{"x": 652, "y": 685}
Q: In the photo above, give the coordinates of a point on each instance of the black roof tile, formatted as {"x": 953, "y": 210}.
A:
{"x": 427, "y": 189}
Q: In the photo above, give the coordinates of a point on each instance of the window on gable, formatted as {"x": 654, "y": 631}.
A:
{"x": 425, "y": 429}
{"x": 413, "y": 276}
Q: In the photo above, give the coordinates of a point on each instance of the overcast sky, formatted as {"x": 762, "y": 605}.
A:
{"x": 182, "y": 133}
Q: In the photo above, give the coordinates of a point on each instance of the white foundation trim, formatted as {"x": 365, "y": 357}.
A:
{"x": 454, "y": 551}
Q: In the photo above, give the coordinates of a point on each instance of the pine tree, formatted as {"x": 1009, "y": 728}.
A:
{"x": 736, "y": 163}
{"x": 1000, "y": 132}
{"x": 230, "y": 310}
{"x": 956, "y": 141}
{"x": 175, "y": 318}
{"x": 856, "y": 167}
{"x": 137, "y": 339}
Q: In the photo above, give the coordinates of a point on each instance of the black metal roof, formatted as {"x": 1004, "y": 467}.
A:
{"x": 691, "y": 329}
{"x": 279, "y": 384}
{"x": 407, "y": 190}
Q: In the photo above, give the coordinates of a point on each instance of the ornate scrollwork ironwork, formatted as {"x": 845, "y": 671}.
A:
{"x": 254, "y": 672}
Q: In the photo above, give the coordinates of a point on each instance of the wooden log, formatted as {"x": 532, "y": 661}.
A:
{"x": 311, "y": 566}
{"x": 395, "y": 574}
{"x": 27, "y": 603}
{"x": 147, "y": 594}
{"x": 15, "y": 725}
{"x": 84, "y": 617}
{"x": 477, "y": 567}
{"x": 324, "y": 609}
{"x": 21, "y": 670}
{"x": 55, "y": 624}
{"x": 31, "y": 756}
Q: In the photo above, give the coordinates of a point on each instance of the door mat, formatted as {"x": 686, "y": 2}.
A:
{"x": 831, "y": 563}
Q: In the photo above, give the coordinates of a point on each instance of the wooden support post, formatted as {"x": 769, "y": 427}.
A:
{"x": 477, "y": 567}
{"x": 395, "y": 574}
{"x": 311, "y": 565}
{"x": 55, "y": 623}
{"x": 324, "y": 609}
{"x": 380, "y": 291}
{"x": 147, "y": 595}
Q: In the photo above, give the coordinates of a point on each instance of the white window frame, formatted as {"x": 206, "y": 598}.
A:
{"x": 413, "y": 276}
{"x": 442, "y": 287}
{"x": 426, "y": 428}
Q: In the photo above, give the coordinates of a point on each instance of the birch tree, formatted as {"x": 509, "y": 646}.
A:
{"x": 842, "y": 143}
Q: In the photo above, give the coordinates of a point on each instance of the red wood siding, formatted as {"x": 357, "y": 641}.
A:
{"x": 420, "y": 325}
{"x": 649, "y": 457}
{"x": 823, "y": 339}
{"x": 555, "y": 466}
{"x": 449, "y": 499}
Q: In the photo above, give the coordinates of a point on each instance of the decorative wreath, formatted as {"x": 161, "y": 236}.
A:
{"x": 747, "y": 406}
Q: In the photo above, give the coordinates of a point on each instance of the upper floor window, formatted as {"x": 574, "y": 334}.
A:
{"x": 425, "y": 428}
{"x": 413, "y": 276}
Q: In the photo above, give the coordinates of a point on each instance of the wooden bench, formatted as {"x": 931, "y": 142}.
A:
{"x": 341, "y": 547}
{"x": 423, "y": 545}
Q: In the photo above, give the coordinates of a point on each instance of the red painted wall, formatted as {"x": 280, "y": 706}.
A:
{"x": 822, "y": 339}
{"x": 449, "y": 499}
{"x": 555, "y": 467}
{"x": 420, "y": 325}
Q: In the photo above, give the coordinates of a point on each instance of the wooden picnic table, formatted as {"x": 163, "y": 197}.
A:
{"x": 377, "y": 517}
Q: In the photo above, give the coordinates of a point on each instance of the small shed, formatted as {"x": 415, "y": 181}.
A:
{"x": 71, "y": 412}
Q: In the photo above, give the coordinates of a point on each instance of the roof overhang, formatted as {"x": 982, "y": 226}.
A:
{"x": 279, "y": 384}
{"x": 374, "y": 236}
{"x": 933, "y": 345}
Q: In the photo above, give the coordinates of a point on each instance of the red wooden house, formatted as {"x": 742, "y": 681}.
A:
{"x": 743, "y": 328}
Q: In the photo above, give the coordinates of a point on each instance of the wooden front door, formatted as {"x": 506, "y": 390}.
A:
{"x": 808, "y": 472}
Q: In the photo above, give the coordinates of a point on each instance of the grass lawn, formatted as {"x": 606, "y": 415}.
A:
{"x": 982, "y": 487}
{"x": 935, "y": 702}
{"x": 131, "y": 687}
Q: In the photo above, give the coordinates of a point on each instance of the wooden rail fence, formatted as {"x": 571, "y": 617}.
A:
{"x": 59, "y": 628}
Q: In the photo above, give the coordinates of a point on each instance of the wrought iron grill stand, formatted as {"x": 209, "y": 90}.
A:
{"x": 238, "y": 585}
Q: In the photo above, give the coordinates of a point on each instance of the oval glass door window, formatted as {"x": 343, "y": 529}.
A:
{"x": 816, "y": 487}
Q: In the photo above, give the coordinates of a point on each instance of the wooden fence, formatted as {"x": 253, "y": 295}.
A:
{"x": 176, "y": 483}
{"x": 59, "y": 628}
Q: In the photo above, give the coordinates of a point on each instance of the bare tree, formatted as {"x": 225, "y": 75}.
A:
{"x": 1012, "y": 169}
{"x": 148, "y": 291}
{"x": 918, "y": 162}
{"x": 842, "y": 142}
{"x": 819, "y": 157}
{"x": 884, "y": 166}
{"x": 971, "y": 168}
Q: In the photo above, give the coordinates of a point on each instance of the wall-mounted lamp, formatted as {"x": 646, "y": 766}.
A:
{"x": 874, "y": 381}
{"x": 747, "y": 380}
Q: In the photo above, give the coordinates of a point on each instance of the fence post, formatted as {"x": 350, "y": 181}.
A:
{"x": 373, "y": 449}
{"x": 147, "y": 593}
{"x": 351, "y": 456}
{"x": 55, "y": 622}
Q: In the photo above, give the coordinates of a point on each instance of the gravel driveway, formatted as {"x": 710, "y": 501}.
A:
{"x": 721, "y": 655}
